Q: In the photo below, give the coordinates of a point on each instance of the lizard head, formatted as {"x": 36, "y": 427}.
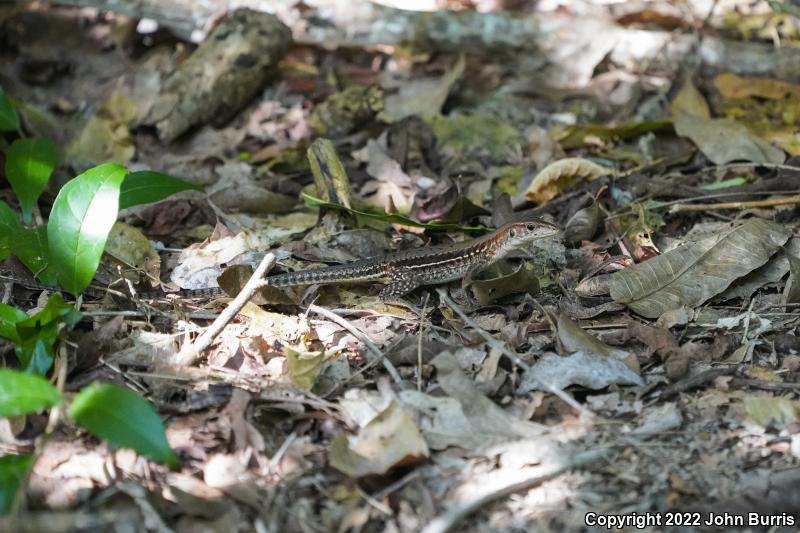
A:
{"x": 516, "y": 235}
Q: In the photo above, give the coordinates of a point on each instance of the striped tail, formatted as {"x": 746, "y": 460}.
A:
{"x": 364, "y": 270}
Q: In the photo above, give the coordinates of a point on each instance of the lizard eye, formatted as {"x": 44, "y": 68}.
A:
{"x": 512, "y": 233}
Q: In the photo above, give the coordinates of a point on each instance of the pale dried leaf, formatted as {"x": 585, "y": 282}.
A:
{"x": 690, "y": 101}
{"x": 723, "y": 140}
{"x": 575, "y": 339}
{"x": 484, "y": 414}
{"x": 560, "y": 175}
{"x": 388, "y": 440}
{"x": 580, "y": 368}
{"x": 691, "y": 274}
{"x": 767, "y": 410}
{"x": 424, "y": 97}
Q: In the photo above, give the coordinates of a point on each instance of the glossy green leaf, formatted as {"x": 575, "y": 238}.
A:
{"x": 22, "y": 394}
{"x": 9, "y": 120}
{"x": 82, "y": 216}
{"x": 29, "y": 165}
{"x": 38, "y": 334}
{"x": 13, "y": 471}
{"x": 124, "y": 419}
{"x": 388, "y": 219}
{"x": 147, "y": 186}
{"x": 56, "y": 310}
{"x": 9, "y": 317}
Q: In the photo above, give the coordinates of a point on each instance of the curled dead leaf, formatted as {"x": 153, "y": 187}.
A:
{"x": 558, "y": 176}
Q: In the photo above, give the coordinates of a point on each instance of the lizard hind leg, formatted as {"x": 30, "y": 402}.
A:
{"x": 398, "y": 287}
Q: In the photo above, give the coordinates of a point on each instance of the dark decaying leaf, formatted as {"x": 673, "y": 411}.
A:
{"x": 693, "y": 273}
{"x": 583, "y": 224}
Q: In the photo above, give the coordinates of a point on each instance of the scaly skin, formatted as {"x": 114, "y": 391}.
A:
{"x": 406, "y": 270}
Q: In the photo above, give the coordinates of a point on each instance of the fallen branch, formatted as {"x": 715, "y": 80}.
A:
{"x": 371, "y": 348}
{"x": 451, "y": 518}
{"x": 190, "y": 353}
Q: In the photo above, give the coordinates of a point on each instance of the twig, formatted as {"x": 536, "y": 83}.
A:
{"x": 494, "y": 343}
{"x": 189, "y": 354}
{"x": 769, "y": 202}
{"x": 447, "y": 521}
{"x": 419, "y": 341}
{"x": 371, "y": 348}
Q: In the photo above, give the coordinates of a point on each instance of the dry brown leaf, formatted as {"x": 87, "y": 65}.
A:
{"x": 689, "y": 100}
{"x": 558, "y": 176}
{"x": 388, "y": 440}
{"x": 732, "y": 86}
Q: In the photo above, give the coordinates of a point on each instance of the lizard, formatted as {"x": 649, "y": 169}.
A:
{"x": 406, "y": 270}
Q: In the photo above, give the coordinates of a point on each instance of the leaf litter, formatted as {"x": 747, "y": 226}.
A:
{"x": 648, "y": 365}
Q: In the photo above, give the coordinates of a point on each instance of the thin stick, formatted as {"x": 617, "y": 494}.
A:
{"x": 191, "y": 353}
{"x": 447, "y": 521}
{"x": 419, "y": 341}
{"x": 494, "y": 343}
{"x": 769, "y": 202}
{"x": 371, "y": 348}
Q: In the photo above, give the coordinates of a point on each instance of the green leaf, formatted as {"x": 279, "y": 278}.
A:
{"x": 124, "y": 419}
{"x": 30, "y": 246}
{"x": 29, "y": 164}
{"x": 38, "y": 334}
{"x": 22, "y": 394}
{"x": 147, "y": 186}
{"x": 82, "y": 216}
{"x": 9, "y": 120}
{"x": 388, "y": 219}
{"x": 56, "y": 310}
{"x": 9, "y": 317}
{"x": 13, "y": 470}
{"x": 9, "y": 226}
